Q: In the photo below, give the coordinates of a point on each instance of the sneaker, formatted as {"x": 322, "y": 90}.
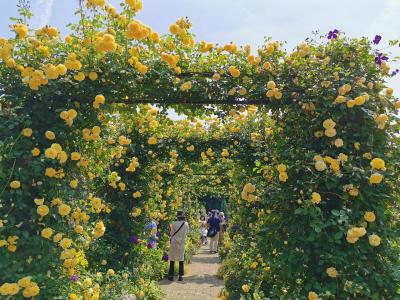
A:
{"x": 170, "y": 278}
{"x": 180, "y": 278}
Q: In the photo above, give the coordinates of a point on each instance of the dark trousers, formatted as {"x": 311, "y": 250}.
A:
{"x": 172, "y": 268}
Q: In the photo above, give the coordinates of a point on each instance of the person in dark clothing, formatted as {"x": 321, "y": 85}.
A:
{"x": 213, "y": 231}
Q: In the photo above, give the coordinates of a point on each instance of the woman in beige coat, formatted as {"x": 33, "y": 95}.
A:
{"x": 178, "y": 232}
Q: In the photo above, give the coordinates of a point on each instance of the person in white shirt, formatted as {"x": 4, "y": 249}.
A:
{"x": 203, "y": 230}
{"x": 178, "y": 232}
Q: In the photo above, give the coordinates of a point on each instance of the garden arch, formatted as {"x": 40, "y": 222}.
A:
{"x": 316, "y": 206}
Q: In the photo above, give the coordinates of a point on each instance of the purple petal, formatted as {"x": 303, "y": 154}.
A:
{"x": 74, "y": 278}
{"x": 377, "y": 39}
{"x": 134, "y": 239}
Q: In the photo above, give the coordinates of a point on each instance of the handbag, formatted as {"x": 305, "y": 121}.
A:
{"x": 212, "y": 232}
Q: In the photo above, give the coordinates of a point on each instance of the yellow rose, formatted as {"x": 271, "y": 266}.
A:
{"x": 47, "y": 233}
{"x": 110, "y": 272}
{"x": 374, "y": 240}
{"x": 339, "y": 143}
{"x": 283, "y": 176}
{"x": 80, "y": 76}
{"x": 64, "y": 209}
{"x": 281, "y": 168}
{"x": 315, "y": 198}
{"x": 331, "y": 132}
{"x": 73, "y": 296}
{"x": 245, "y": 288}
{"x": 9, "y": 289}
{"x": 75, "y": 156}
{"x": 57, "y": 237}
{"x": 100, "y": 99}
{"x": 378, "y": 163}
{"x": 353, "y": 192}
{"x": 50, "y": 135}
{"x": 271, "y": 85}
{"x": 15, "y": 184}
{"x": 312, "y": 296}
{"x": 50, "y": 153}
{"x": 35, "y": 152}
{"x": 332, "y": 272}
{"x": 50, "y": 172}
{"x": 78, "y": 229}
{"x": 137, "y": 194}
{"x": 21, "y": 30}
{"x": 328, "y": 124}
{"x": 99, "y": 229}
{"x": 152, "y": 141}
{"x": 65, "y": 243}
{"x": 27, "y": 132}
{"x": 87, "y": 281}
{"x": 73, "y": 183}
{"x": 320, "y": 165}
{"x": 38, "y": 201}
{"x": 389, "y": 91}
{"x": 234, "y": 71}
{"x": 42, "y": 210}
{"x": 267, "y": 65}
{"x": 254, "y": 265}
{"x": 351, "y": 103}
{"x": 24, "y": 282}
{"x": 92, "y": 76}
{"x": 375, "y": 178}
{"x": 369, "y": 216}
{"x": 31, "y": 290}
{"x": 367, "y": 155}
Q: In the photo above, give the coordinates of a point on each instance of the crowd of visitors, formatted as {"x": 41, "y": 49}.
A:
{"x": 213, "y": 227}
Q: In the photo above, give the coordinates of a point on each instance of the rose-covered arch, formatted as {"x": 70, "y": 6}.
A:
{"x": 311, "y": 172}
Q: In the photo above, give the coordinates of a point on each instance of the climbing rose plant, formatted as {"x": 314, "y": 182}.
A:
{"x": 311, "y": 174}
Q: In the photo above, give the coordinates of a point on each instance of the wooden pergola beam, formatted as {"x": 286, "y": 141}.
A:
{"x": 193, "y": 102}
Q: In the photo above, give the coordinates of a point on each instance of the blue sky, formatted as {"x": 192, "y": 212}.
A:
{"x": 242, "y": 21}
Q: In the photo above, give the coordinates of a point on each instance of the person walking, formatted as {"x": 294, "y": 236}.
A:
{"x": 203, "y": 230}
{"x": 213, "y": 231}
{"x": 178, "y": 232}
{"x": 222, "y": 226}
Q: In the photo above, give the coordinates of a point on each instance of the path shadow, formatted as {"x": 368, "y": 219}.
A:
{"x": 206, "y": 259}
{"x": 209, "y": 280}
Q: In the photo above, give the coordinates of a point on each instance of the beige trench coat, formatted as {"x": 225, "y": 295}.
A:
{"x": 178, "y": 241}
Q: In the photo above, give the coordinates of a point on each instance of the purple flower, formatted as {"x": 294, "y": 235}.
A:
{"x": 395, "y": 72}
{"x": 380, "y": 57}
{"x": 74, "y": 278}
{"x": 333, "y": 34}
{"x": 165, "y": 258}
{"x": 134, "y": 239}
{"x": 158, "y": 234}
{"x": 150, "y": 245}
{"x": 377, "y": 39}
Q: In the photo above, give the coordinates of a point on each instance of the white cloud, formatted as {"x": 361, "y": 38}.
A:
{"x": 42, "y": 10}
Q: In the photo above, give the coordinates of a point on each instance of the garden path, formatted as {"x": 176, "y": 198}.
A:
{"x": 200, "y": 282}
